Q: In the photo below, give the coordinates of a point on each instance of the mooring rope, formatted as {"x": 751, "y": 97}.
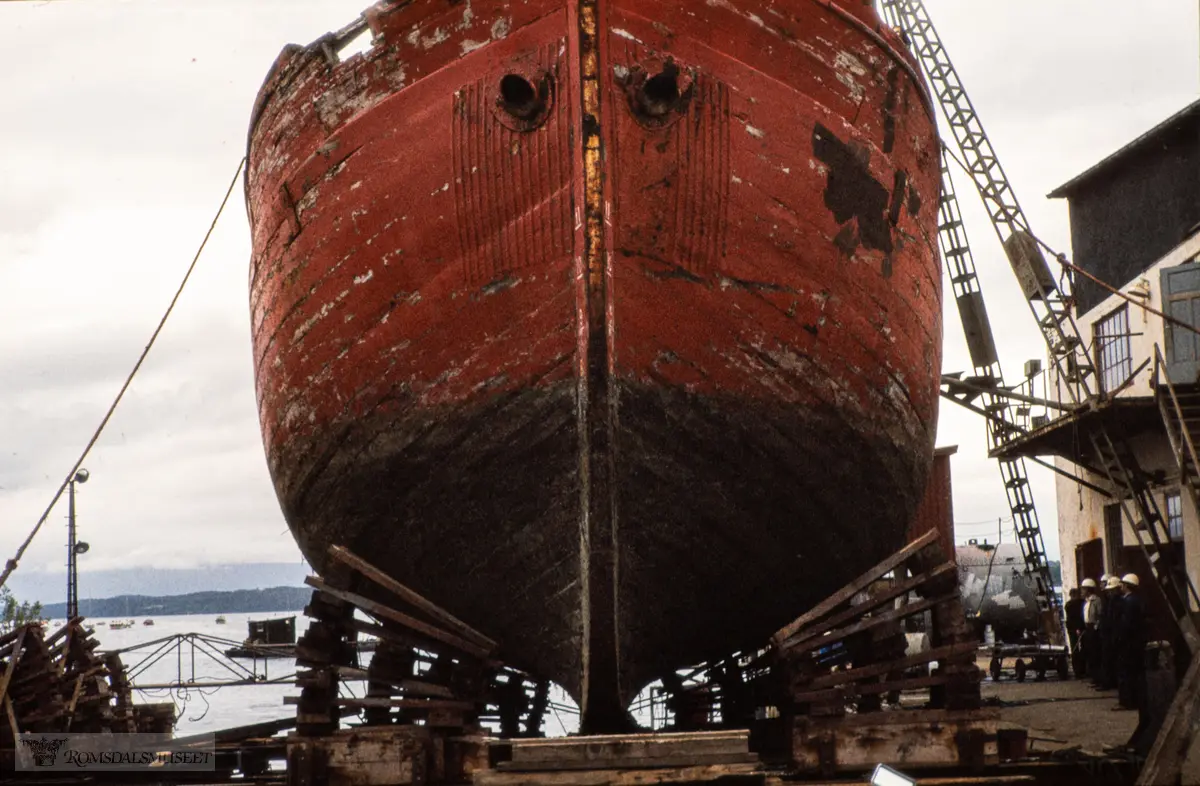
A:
{"x": 11, "y": 565}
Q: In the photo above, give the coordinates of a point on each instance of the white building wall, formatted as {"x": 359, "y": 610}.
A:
{"x": 1080, "y": 509}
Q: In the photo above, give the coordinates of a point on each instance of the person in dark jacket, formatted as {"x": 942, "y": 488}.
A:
{"x": 1130, "y": 641}
{"x": 1074, "y": 611}
{"x": 1107, "y": 678}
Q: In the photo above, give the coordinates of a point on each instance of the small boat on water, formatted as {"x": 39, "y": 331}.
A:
{"x": 120, "y": 625}
{"x": 148, "y": 622}
{"x": 220, "y": 620}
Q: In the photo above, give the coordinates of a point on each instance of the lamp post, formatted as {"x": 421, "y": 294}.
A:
{"x": 74, "y": 548}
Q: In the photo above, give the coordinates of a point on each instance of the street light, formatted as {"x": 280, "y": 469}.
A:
{"x": 74, "y": 548}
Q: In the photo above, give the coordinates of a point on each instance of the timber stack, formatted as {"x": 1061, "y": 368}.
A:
{"x": 855, "y": 698}
{"x": 430, "y": 682}
{"x": 60, "y": 683}
{"x": 831, "y": 695}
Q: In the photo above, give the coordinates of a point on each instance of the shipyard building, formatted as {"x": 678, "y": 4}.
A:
{"x": 1135, "y": 233}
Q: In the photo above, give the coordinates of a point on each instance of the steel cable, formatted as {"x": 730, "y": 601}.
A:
{"x": 11, "y": 565}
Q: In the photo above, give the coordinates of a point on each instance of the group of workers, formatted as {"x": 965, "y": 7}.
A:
{"x": 1106, "y": 626}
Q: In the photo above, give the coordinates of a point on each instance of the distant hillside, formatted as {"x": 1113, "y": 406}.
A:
{"x": 51, "y": 587}
{"x": 235, "y": 602}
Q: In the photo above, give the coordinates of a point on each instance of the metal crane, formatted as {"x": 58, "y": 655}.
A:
{"x": 1051, "y": 304}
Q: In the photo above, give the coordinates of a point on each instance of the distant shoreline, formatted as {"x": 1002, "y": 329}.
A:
{"x": 253, "y": 601}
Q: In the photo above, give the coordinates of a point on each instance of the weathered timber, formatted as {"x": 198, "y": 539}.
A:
{"x": 624, "y": 747}
{"x": 1164, "y": 763}
{"x": 414, "y": 599}
{"x": 880, "y": 598}
{"x": 820, "y": 639}
{"x": 903, "y": 716}
{"x": 726, "y": 774}
{"x": 852, "y": 690}
{"x": 385, "y": 612}
{"x": 847, "y": 593}
{"x": 385, "y": 756}
{"x": 841, "y": 748}
{"x": 880, "y": 669}
{"x": 12, "y": 662}
{"x": 631, "y": 763}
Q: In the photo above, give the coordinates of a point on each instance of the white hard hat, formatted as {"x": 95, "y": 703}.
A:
{"x": 1089, "y": 583}
{"x": 1130, "y": 579}
{"x": 1104, "y": 579}
{"x": 1113, "y": 582}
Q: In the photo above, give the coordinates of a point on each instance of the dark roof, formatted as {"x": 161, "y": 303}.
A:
{"x": 1172, "y": 123}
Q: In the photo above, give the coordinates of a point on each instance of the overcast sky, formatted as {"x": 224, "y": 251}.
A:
{"x": 123, "y": 121}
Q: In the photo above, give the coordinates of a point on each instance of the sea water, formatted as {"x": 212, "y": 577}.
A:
{"x": 188, "y": 650}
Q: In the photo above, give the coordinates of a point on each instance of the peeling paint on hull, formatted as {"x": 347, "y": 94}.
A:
{"x": 627, "y": 369}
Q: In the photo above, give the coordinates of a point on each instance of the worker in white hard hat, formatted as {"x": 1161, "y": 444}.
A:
{"x": 1093, "y": 608}
{"x": 1130, "y": 644}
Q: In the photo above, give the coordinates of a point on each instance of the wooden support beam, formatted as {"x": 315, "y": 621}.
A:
{"x": 849, "y": 692}
{"x": 880, "y": 669}
{"x": 845, "y": 594}
{"x": 18, "y": 643}
{"x": 385, "y": 612}
{"x": 818, "y": 638}
{"x": 883, "y": 597}
{"x": 412, "y": 687}
{"x": 455, "y": 625}
{"x": 1164, "y": 763}
{"x": 725, "y": 773}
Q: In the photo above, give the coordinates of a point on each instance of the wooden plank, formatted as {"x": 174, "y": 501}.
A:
{"x": 726, "y": 773}
{"x": 818, "y": 638}
{"x": 845, "y": 594}
{"x": 880, "y": 669}
{"x": 633, "y": 763}
{"x": 900, "y": 589}
{"x": 630, "y": 747}
{"x": 872, "y": 688}
{"x": 604, "y": 739}
{"x": 16, "y": 730}
{"x": 900, "y": 718}
{"x": 350, "y": 559}
{"x": 1164, "y": 763}
{"x": 74, "y": 702}
{"x": 859, "y": 749}
{"x": 18, "y": 646}
{"x": 385, "y": 612}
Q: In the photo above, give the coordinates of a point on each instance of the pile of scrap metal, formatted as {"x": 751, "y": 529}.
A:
{"x": 59, "y": 683}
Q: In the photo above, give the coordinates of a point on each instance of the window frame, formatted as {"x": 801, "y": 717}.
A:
{"x": 1174, "y": 516}
{"x": 1113, "y": 367}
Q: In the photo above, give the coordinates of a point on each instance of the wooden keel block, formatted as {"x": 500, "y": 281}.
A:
{"x": 393, "y": 755}
{"x": 845, "y": 748}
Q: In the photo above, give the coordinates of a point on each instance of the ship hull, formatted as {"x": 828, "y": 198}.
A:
{"x": 626, "y": 375}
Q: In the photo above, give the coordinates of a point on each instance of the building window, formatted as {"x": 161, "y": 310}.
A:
{"x": 1175, "y": 515}
{"x": 1112, "y": 349}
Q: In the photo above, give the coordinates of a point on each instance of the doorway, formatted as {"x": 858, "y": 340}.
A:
{"x": 1089, "y": 560}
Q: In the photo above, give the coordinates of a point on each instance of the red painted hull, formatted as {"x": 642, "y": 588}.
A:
{"x": 627, "y": 372}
